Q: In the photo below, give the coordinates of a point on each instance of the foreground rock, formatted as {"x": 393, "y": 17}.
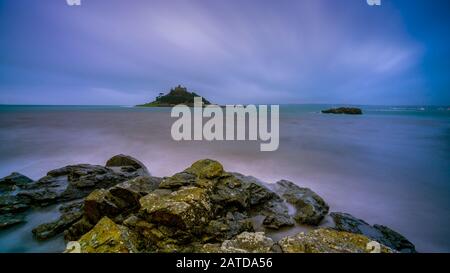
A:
{"x": 231, "y": 192}
{"x": 189, "y": 208}
{"x": 116, "y": 203}
{"x": 108, "y": 237}
{"x": 246, "y": 242}
{"x": 379, "y": 233}
{"x": 311, "y": 208}
{"x": 328, "y": 241}
{"x": 121, "y": 208}
{"x": 344, "y": 110}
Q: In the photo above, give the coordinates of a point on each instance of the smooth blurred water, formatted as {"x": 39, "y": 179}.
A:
{"x": 390, "y": 166}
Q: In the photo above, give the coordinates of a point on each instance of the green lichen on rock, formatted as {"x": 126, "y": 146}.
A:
{"x": 186, "y": 208}
{"x": 108, "y": 237}
{"x": 206, "y": 168}
{"x": 248, "y": 242}
{"x": 349, "y": 223}
{"x": 121, "y": 208}
{"x": 203, "y": 173}
{"x": 328, "y": 241}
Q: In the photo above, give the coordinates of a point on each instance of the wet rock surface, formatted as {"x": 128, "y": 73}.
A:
{"x": 70, "y": 213}
{"x": 379, "y": 233}
{"x": 108, "y": 237}
{"x": 328, "y": 241}
{"x": 120, "y": 208}
{"x": 311, "y": 208}
{"x": 248, "y": 242}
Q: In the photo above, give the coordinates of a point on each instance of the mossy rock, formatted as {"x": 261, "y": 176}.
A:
{"x": 108, "y": 237}
{"x": 328, "y": 241}
{"x": 206, "y": 168}
{"x": 248, "y": 242}
{"x": 186, "y": 208}
{"x": 203, "y": 173}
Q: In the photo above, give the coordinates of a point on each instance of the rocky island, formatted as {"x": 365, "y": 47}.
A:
{"x": 343, "y": 110}
{"x": 122, "y": 208}
{"x": 177, "y": 95}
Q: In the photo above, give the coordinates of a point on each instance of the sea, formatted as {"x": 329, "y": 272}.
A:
{"x": 389, "y": 166}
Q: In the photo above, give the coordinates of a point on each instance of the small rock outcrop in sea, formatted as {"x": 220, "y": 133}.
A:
{"x": 177, "y": 95}
{"x": 379, "y": 233}
{"x": 344, "y": 110}
{"x": 120, "y": 208}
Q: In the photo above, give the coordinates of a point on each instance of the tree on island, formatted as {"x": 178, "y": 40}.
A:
{"x": 176, "y": 95}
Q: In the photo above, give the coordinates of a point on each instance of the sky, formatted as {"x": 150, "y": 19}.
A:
{"x": 118, "y": 52}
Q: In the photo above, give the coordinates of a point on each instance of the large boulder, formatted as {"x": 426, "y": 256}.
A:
{"x": 108, "y": 237}
{"x": 231, "y": 192}
{"x": 131, "y": 191}
{"x": 328, "y": 241}
{"x": 379, "y": 233}
{"x": 276, "y": 215}
{"x": 78, "y": 229}
{"x": 206, "y": 169}
{"x": 155, "y": 237}
{"x": 188, "y": 208}
{"x": 203, "y": 173}
{"x": 122, "y": 199}
{"x": 234, "y": 191}
{"x": 116, "y": 203}
{"x": 98, "y": 204}
{"x": 127, "y": 163}
{"x": 311, "y": 208}
{"x": 13, "y": 181}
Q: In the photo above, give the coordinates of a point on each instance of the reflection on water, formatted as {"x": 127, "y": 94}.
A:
{"x": 389, "y": 166}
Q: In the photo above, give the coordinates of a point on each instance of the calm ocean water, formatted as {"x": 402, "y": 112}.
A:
{"x": 390, "y": 166}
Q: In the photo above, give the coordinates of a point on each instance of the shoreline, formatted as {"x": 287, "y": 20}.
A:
{"x": 213, "y": 208}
